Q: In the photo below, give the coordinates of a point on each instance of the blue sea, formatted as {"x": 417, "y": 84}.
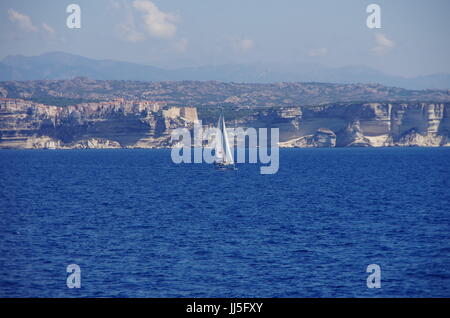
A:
{"x": 139, "y": 225}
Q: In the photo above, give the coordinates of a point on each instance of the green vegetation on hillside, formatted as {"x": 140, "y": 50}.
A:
{"x": 210, "y": 114}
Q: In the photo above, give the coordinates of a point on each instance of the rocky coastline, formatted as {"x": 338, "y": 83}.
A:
{"x": 145, "y": 124}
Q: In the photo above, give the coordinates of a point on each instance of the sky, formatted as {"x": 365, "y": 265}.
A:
{"x": 413, "y": 39}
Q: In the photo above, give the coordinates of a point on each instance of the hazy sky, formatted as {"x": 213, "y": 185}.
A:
{"x": 413, "y": 39}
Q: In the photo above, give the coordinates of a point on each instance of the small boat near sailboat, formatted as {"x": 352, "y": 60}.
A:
{"x": 223, "y": 156}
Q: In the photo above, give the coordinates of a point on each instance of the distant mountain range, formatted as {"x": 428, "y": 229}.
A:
{"x": 59, "y": 65}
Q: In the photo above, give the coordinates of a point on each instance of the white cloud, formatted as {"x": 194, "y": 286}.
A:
{"x": 22, "y": 20}
{"x": 241, "y": 45}
{"x": 157, "y": 23}
{"x": 24, "y": 23}
{"x": 128, "y": 31}
{"x": 48, "y": 29}
{"x": 383, "y": 44}
{"x": 318, "y": 52}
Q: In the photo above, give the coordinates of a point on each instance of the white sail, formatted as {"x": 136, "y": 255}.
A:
{"x": 222, "y": 148}
{"x": 226, "y": 145}
{"x": 219, "y": 142}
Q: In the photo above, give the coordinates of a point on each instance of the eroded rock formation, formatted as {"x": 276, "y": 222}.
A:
{"x": 359, "y": 124}
{"x": 132, "y": 124}
{"x": 117, "y": 124}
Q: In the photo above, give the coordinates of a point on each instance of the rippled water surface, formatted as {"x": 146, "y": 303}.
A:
{"x": 140, "y": 226}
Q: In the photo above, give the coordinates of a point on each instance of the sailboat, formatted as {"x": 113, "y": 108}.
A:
{"x": 223, "y": 156}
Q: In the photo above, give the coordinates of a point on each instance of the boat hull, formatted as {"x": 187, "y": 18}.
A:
{"x": 222, "y": 166}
